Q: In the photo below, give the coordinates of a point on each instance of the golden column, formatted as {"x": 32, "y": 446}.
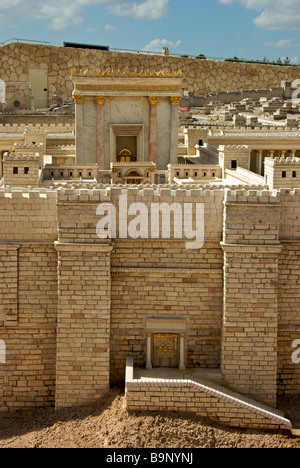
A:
{"x": 79, "y": 100}
{"x": 153, "y": 100}
{"x": 100, "y": 131}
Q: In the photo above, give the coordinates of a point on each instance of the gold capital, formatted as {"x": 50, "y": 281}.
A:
{"x": 100, "y": 100}
{"x": 153, "y": 100}
{"x": 175, "y": 100}
{"x": 78, "y": 99}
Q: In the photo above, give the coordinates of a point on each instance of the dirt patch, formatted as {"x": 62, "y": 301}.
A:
{"x": 107, "y": 424}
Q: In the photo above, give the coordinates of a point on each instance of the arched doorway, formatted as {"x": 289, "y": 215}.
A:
{"x": 133, "y": 178}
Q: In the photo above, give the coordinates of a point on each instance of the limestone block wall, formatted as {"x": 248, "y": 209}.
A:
{"x": 149, "y": 277}
{"x": 83, "y": 323}
{"x": 157, "y": 277}
{"x": 232, "y": 156}
{"x": 28, "y": 215}
{"x": 200, "y": 76}
{"x": 195, "y": 396}
{"x": 21, "y": 170}
{"x": 163, "y": 279}
{"x": 251, "y": 248}
{"x": 74, "y": 306}
{"x": 28, "y": 297}
{"x": 288, "y": 292}
{"x": 282, "y": 172}
{"x": 29, "y": 372}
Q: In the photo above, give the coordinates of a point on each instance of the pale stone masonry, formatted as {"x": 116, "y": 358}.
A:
{"x": 53, "y": 65}
{"x": 116, "y": 242}
{"x": 84, "y": 302}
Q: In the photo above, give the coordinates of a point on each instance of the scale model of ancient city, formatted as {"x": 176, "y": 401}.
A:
{"x": 149, "y": 232}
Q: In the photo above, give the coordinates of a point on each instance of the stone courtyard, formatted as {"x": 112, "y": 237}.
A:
{"x": 189, "y": 296}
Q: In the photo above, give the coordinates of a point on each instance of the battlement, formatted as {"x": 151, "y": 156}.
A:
{"x": 28, "y": 193}
{"x": 28, "y": 146}
{"x": 278, "y": 161}
{"x": 100, "y": 192}
{"x": 232, "y": 148}
{"x": 14, "y": 157}
{"x": 43, "y": 129}
{"x": 133, "y": 164}
{"x": 37, "y": 130}
{"x": 252, "y": 196}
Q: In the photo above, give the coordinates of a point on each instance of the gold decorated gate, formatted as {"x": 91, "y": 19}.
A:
{"x": 165, "y": 350}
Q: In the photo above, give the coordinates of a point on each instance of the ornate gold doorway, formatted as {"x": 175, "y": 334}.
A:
{"x": 125, "y": 155}
{"x": 165, "y": 350}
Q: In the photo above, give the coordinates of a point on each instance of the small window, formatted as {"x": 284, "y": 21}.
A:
{"x": 186, "y": 174}
{"x": 71, "y": 174}
{"x": 177, "y": 173}
{"x": 196, "y": 174}
{"x": 283, "y": 174}
{"x": 52, "y": 174}
{"x": 15, "y": 170}
{"x": 80, "y": 174}
{"x": 61, "y": 174}
{"x": 90, "y": 174}
{"x": 294, "y": 174}
{"x": 26, "y": 170}
{"x": 204, "y": 174}
{"x": 233, "y": 164}
{"x": 214, "y": 174}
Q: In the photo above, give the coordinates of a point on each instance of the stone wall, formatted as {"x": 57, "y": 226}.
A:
{"x": 21, "y": 170}
{"x": 83, "y": 303}
{"x": 282, "y": 172}
{"x": 29, "y": 303}
{"x": 288, "y": 291}
{"x": 251, "y": 248}
{"x": 195, "y": 396}
{"x": 28, "y": 297}
{"x": 200, "y": 76}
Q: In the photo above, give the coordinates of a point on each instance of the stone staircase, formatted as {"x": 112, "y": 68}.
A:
{"x": 206, "y": 398}
{"x": 242, "y": 401}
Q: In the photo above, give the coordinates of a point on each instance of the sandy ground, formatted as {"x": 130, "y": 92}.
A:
{"x": 108, "y": 425}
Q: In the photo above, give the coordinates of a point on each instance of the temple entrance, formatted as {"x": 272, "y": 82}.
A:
{"x": 125, "y": 156}
{"x": 126, "y": 148}
{"x": 133, "y": 178}
{"x": 165, "y": 350}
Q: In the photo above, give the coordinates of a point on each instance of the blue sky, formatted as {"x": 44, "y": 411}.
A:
{"x": 251, "y": 29}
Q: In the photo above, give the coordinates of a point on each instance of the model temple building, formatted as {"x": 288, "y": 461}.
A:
{"x": 80, "y": 312}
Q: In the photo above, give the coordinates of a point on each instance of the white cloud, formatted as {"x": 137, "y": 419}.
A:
{"x": 281, "y": 44}
{"x": 61, "y": 14}
{"x": 275, "y": 15}
{"x": 110, "y": 28}
{"x": 145, "y": 10}
{"x": 157, "y": 45}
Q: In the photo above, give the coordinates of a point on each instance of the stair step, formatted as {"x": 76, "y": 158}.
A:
{"x": 295, "y": 431}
